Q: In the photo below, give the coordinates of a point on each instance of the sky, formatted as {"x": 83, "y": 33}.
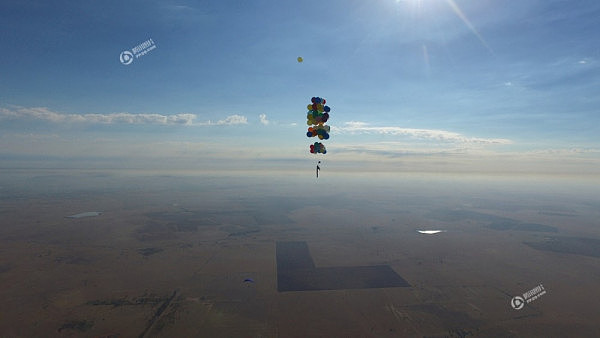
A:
{"x": 413, "y": 85}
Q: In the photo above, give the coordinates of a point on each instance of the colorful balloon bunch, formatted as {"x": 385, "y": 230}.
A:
{"x": 318, "y": 147}
{"x": 318, "y": 114}
{"x": 319, "y": 130}
{"x": 315, "y": 117}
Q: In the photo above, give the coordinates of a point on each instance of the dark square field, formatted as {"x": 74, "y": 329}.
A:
{"x": 297, "y": 272}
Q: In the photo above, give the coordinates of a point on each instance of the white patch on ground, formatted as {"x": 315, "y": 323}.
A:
{"x": 430, "y": 232}
{"x": 86, "y": 214}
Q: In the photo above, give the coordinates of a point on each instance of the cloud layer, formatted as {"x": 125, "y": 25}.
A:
{"x": 355, "y": 127}
{"x": 44, "y": 114}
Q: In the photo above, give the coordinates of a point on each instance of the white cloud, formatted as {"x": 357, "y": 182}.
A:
{"x": 356, "y": 127}
{"x": 44, "y": 114}
{"x": 263, "y": 119}
{"x": 397, "y": 149}
{"x": 229, "y": 120}
{"x": 564, "y": 152}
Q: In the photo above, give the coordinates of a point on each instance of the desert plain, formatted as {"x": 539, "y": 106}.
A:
{"x": 289, "y": 255}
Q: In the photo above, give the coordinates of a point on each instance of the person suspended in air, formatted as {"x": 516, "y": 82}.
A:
{"x": 318, "y": 168}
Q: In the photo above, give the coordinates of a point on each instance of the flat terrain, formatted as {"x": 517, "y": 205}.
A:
{"x": 297, "y": 272}
{"x": 290, "y": 256}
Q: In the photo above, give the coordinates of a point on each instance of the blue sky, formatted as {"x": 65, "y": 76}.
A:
{"x": 413, "y": 84}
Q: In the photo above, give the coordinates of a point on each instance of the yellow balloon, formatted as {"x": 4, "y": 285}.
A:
{"x": 300, "y": 59}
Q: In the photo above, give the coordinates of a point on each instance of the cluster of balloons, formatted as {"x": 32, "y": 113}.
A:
{"x": 319, "y": 130}
{"x": 318, "y": 147}
{"x": 318, "y": 114}
{"x": 316, "y": 117}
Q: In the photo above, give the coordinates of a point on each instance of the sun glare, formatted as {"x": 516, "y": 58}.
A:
{"x": 418, "y": 5}
{"x": 468, "y": 23}
{"x": 413, "y": 3}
